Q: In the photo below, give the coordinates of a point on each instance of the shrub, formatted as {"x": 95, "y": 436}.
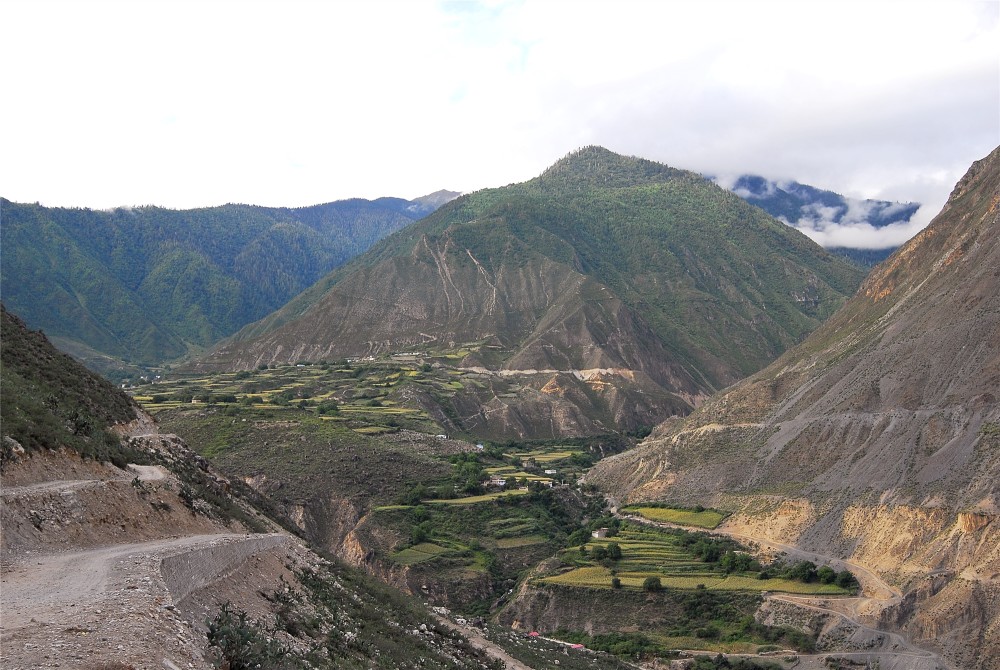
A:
{"x": 846, "y": 580}
{"x": 652, "y": 584}
{"x": 826, "y": 574}
{"x": 242, "y": 644}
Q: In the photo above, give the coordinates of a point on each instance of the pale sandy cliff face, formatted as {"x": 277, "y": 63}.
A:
{"x": 878, "y": 438}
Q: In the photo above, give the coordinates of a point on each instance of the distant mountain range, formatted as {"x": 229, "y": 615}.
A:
{"x": 813, "y": 209}
{"x": 615, "y": 289}
{"x": 140, "y": 286}
{"x": 877, "y": 438}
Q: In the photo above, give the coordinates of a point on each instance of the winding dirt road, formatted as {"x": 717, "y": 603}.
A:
{"x": 65, "y": 607}
{"x": 111, "y": 604}
{"x": 478, "y": 641}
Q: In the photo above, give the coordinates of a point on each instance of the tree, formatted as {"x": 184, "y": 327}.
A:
{"x": 652, "y": 584}
{"x": 826, "y": 574}
{"x": 472, "y": 486}
{"x": 734, "y": 561}
{"x": 614, "y": 551}
{"x": 846, "y": 580}
{"x": 616, "y": 583}
{"x": 804, "y": 571}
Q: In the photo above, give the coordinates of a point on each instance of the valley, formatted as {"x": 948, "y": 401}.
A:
{"x": 433, "y": 525}
{"x": 609, "y": 417}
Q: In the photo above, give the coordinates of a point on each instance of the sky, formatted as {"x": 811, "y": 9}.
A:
{"x": 290, "y": 103}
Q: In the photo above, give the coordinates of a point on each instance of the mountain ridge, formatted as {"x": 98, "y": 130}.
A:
{"x": 820, "y": 211}
{"x": 145, "y": 285}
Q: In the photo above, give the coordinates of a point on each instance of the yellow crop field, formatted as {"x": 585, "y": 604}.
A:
{"x": 704, "y": 519}
{"x": 590, "y": 576}
{"x": 476, "y": 499}
{"x": 515, "y": 542}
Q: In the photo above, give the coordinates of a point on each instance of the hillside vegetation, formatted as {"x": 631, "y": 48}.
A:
{"x": 48, "y": 400}
{"x": 141, "y": 286}
{"x": 262, "y": 600}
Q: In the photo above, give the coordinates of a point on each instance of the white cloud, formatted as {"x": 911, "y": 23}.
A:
{"x": 290, "y": 103}
{"x": 858, "y": 235}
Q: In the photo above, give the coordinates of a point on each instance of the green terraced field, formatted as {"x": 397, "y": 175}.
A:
{"x": 599, "y": 577}
{"x": 523, "y": 541}
{"x": 419, "y": 553}
{"x": 649, "y": 552}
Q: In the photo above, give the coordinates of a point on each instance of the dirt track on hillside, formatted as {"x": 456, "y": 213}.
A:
{"x": 62, "y": 609}
{"x": 70, "y": 606}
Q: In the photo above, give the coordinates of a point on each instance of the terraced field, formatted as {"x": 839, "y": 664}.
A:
{"x": 647, "y": 552}
{"x": 472, "y": 500}
{"x": 705, "y": 518}
{"x": 550, "y": 455}
{"x": 419, "y": 553}
{"x": 362, "y": 396}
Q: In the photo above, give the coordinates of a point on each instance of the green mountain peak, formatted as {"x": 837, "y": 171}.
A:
{"x": 597, "y": 167}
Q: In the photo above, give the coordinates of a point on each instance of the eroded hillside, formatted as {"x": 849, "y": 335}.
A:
{"x": 877, "y": 438}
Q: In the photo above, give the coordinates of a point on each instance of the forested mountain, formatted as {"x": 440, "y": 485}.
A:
{"x": 649, "y": 277}
{"x": 877, "y": 438}
{"x": 807, "y": 207}
{"x": 146, "y": 285}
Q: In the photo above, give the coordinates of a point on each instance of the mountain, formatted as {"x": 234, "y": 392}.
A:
{"x": 427, "y": 204}
{"x": 808, "y": 208}
{"x": 878, "y": 438}
{"x": 614, "y": 291}
{"x": 147, "y": 285}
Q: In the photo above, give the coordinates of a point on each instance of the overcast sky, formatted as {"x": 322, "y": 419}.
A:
{"x": 187, "y": 104}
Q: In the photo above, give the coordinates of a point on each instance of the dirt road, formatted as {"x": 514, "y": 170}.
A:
{"x": 60, "y": 610}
